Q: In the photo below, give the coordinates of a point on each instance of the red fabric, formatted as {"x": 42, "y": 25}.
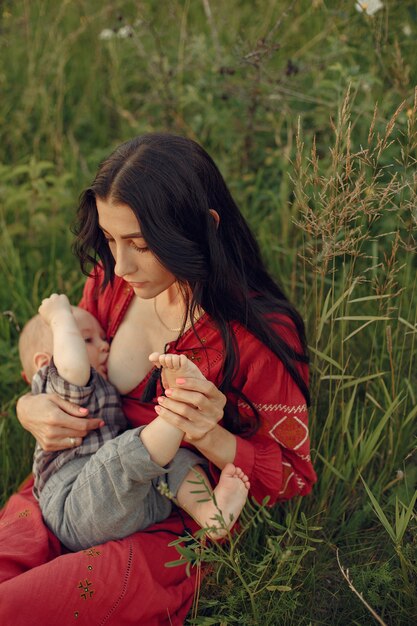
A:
{"x": 125, "y": 582}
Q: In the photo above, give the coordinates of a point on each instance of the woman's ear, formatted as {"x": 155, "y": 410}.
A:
{"x": 215, "y": 216}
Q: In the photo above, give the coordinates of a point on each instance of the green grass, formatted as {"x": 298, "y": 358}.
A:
{"x": 309, "y": 109}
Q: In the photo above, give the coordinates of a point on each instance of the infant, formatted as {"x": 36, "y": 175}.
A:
{"x": 64, "y": 350}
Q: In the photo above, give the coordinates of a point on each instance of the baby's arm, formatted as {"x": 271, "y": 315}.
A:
{"x": 69, "y": 350}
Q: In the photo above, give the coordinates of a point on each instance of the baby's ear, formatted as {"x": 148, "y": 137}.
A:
{"x": 40, "y": 359}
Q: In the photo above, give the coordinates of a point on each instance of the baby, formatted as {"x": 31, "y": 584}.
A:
{"x": 64, "y": 350}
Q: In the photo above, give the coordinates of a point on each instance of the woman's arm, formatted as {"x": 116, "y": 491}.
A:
{"x": 195, "y": 407}
{"x": 276, "y": 458}
{"x": 53, "y": 421}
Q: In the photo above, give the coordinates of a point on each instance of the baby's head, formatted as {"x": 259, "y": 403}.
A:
{"x": 36, "y": 345}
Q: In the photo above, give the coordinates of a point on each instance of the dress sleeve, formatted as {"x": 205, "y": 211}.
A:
{"x": 89, "y": 299}
{"x": 277, "y": 457}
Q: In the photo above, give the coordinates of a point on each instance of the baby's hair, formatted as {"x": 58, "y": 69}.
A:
{"x": 36, "y": 336}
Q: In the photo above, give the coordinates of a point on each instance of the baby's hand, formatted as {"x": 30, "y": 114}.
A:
{"x": 54, "y": 306}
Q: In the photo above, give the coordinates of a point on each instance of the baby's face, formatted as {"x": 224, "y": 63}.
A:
{"x": 95, "y": 340}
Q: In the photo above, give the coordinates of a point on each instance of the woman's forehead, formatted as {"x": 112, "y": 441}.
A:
{"x": 116, "y": 217}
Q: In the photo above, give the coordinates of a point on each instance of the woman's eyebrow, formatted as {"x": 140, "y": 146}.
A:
{"x": 137, "y": 235}
{"x": 132, "y": 236}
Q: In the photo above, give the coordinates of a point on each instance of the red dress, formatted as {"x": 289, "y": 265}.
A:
{"x": 125, "y": 582}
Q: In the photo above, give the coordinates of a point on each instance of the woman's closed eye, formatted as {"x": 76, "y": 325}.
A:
{"x": 138, "y": 248}
{"x": 130, "y": 243}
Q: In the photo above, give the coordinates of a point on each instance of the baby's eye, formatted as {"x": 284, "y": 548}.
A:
{"x": 88, "y": 340}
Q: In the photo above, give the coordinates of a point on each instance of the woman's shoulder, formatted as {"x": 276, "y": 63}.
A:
{"x": 282, "y": 325}
{"x": 249, "y": 345}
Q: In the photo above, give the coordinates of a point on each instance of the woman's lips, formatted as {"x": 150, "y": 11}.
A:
{"x": 137, "y": 284}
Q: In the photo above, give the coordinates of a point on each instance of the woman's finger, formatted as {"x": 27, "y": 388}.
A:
{"x": 79, "y": 426}
{"x": 191, "y": 429}
{"x": 202, "y": 385}
{"x": 72, "y": 442}
{"x": 184, "y": 410}
{"x": 193, "y": 398}
{"x": 61, "y": 443}
{"x": 206, "y": 419}
{"x": 69, "y": 407}
{"x": 193, "y": 422}
{"x": 73, "y": 417}
{"x": 212, "y": 407}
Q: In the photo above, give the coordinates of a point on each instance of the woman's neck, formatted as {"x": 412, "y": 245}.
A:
{"x": 170, "y": 308}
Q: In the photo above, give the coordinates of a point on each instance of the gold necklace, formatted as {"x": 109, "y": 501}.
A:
{"x": 172, "y": 330}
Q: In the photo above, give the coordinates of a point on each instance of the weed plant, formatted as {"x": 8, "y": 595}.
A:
{"x": 309, "y": 107}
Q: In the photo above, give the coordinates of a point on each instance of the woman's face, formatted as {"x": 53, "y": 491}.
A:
{"x": 134, "y": 262}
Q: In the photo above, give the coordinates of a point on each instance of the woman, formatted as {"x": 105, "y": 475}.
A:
{"x": 176, "y": 270}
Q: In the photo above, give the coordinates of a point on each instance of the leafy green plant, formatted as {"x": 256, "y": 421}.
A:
{"x": 260, "y": 561}
{"x": 309, "y": 108}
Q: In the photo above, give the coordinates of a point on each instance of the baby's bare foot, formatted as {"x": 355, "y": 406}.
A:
{"x": 230, "y": 496}
{"x": 174, "y": 366}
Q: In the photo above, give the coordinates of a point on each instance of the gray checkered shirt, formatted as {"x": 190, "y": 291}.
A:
{"x": 102, "y": 401}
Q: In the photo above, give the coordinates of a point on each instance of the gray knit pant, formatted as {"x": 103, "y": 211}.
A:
{"x": 111, "y": 493}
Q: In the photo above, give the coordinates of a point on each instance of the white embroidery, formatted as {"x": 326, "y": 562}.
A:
{"x": 288, "y": 478}
{"x": 301, "y": 408}
{"x": 300, "y": 482}
{"x": 281, "y": 421}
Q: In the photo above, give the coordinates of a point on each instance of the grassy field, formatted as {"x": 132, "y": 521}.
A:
{"x": 310, "y": 110}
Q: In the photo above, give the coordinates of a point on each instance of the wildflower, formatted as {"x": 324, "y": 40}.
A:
{"x": 106, "y": 34}
{"x": 125, "y": 31}
{"x": 407, "y": 30}
{"x": 165, "y": 490}
{"x": 369, "y": 7}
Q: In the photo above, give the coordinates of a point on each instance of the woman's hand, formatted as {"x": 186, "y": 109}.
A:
{"x": 195, "y": 406}
{"x": 55, "y": 423}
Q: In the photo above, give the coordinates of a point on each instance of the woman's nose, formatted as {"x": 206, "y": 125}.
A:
{"x": 123, "y": 264}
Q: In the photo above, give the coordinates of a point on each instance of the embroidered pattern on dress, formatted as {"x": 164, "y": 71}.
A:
{"x": 92, "y": 552}
{"x": 301, "y": 408}
{"x": 289, "y": 476}
{"x": 293, "y": 432}
{"x": 86, "y": 593}
{"x": 300, "y": 482}
{"x": 24, "y": 513}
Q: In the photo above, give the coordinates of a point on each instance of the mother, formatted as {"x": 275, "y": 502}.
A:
{"x": 177, "y": 270}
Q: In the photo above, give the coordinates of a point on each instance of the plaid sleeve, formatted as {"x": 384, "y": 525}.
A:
{"x": 67, "y": 391}
{"x": 102, "y": 401}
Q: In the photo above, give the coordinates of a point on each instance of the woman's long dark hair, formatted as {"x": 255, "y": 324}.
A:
{"x": 171, "y": 184}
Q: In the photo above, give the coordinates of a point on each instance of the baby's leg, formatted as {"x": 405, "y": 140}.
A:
{"x": 160, "y": 438}
{"x": 174, "y": 366}
{"x": 227, "y": 499}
